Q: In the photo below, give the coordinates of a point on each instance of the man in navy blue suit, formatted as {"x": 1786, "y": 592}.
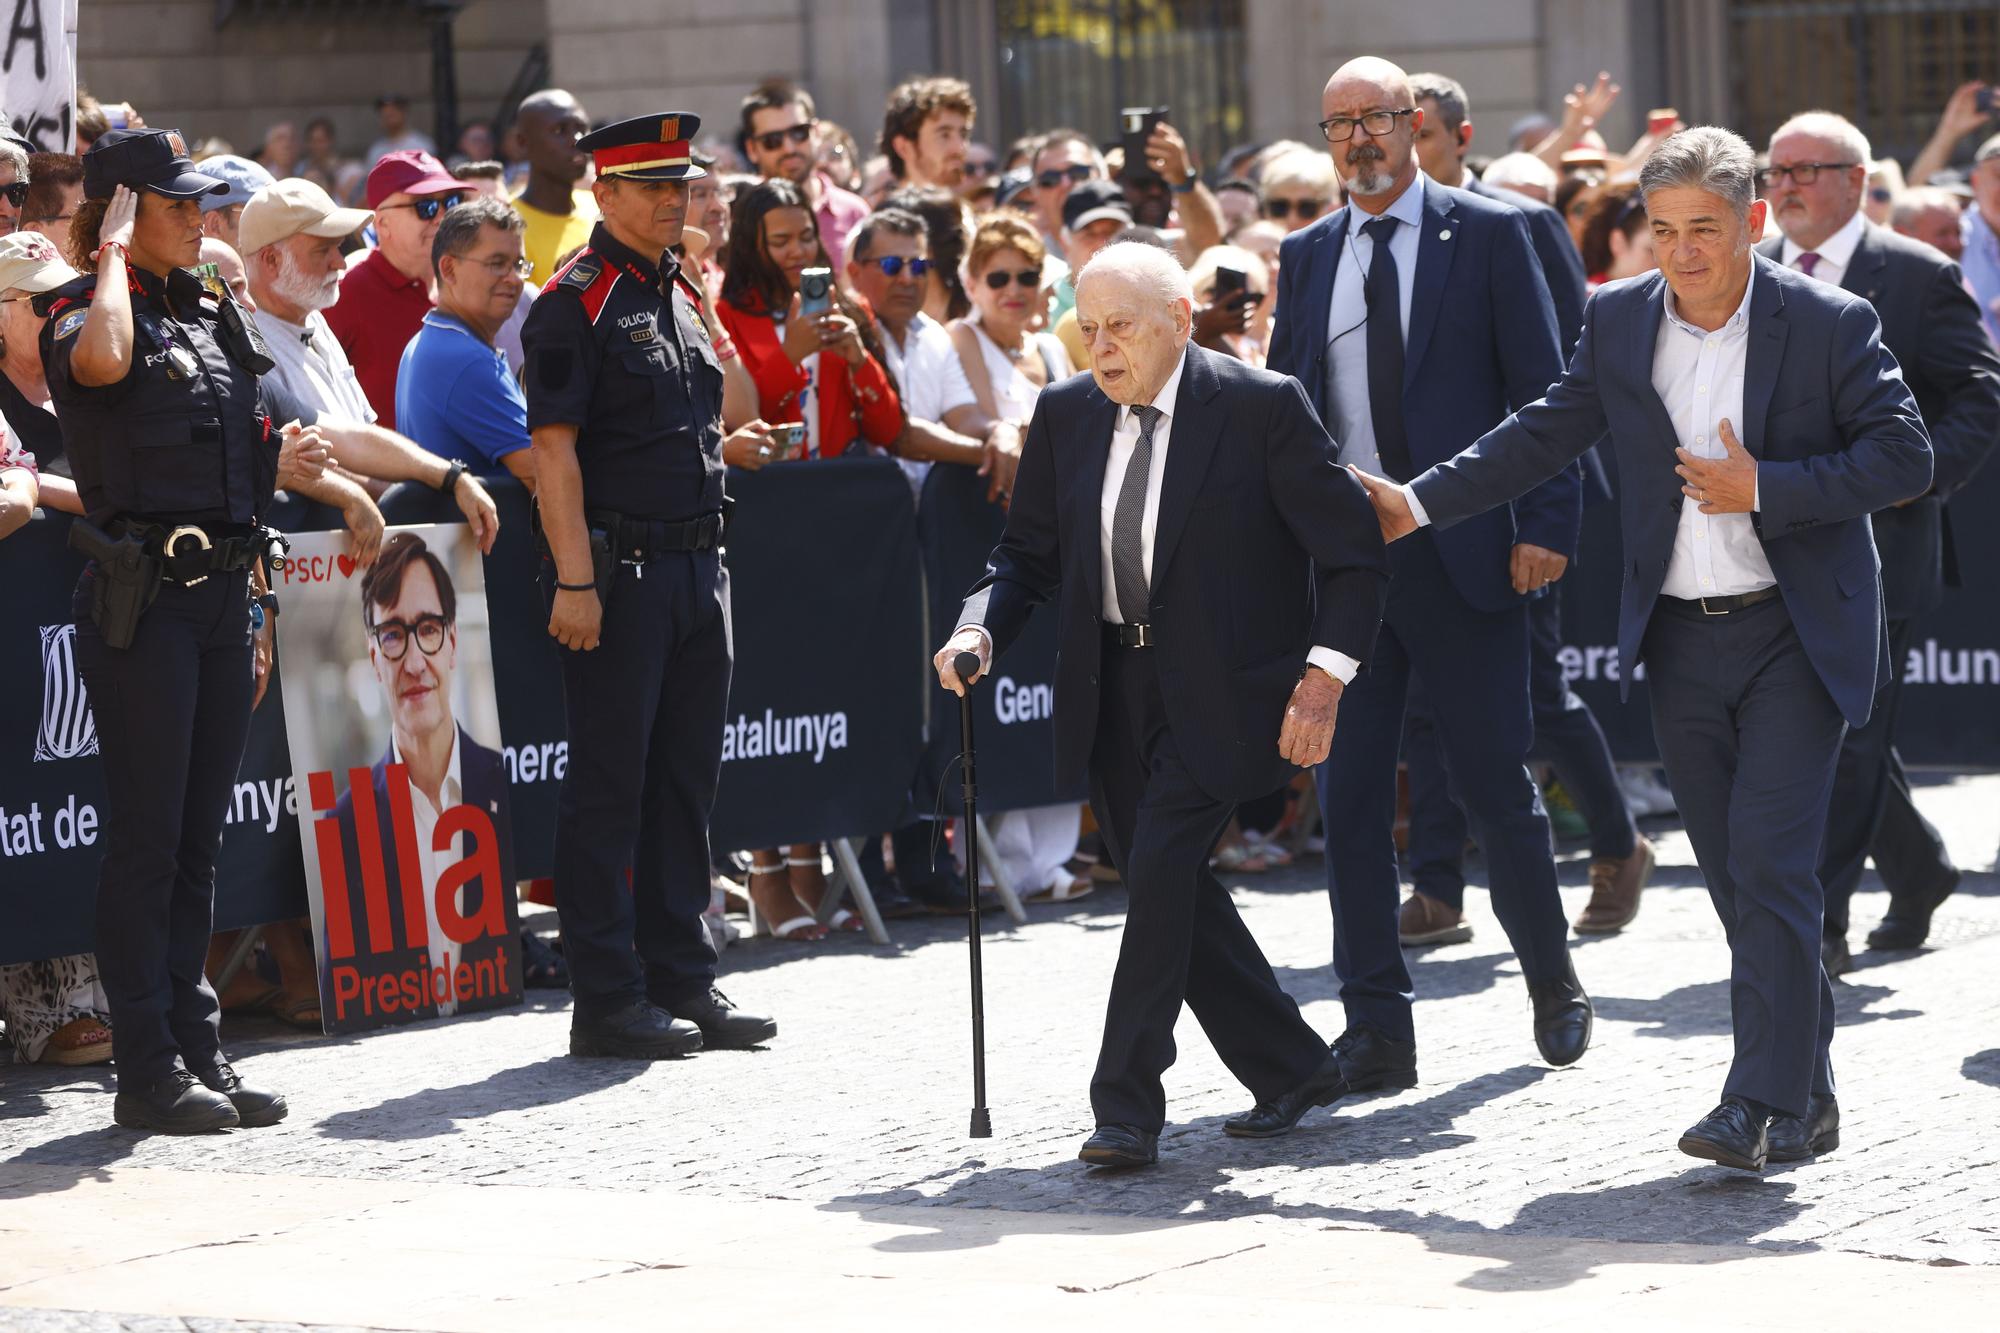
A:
{"x": 1752, "y": 589}
{"x": 1218, "y": 581}
{"x": 1566, "y": 732}
{"x": 1415, "y": 318}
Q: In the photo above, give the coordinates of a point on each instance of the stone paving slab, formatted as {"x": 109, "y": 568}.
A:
{"x": 862, "y": 1103}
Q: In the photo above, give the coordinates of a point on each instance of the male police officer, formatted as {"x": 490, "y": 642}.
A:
{"x": 624, "y": 407}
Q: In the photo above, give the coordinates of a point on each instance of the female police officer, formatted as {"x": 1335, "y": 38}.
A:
{"x": 154, "y": 379}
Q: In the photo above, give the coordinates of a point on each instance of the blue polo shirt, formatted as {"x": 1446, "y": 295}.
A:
{"x": 456, "y": 397}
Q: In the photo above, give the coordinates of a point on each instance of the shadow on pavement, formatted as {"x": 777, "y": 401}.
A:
{"x": 1703, "y": 1009}
{"x": 437, "y": 1111}
{"x": 1983, "y": 1067}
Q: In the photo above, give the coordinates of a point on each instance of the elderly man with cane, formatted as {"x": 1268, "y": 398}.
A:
{"x": 1218, "y": 581}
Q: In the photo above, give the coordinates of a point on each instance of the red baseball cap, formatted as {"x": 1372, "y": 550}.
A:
{"x": 409, "y": 171}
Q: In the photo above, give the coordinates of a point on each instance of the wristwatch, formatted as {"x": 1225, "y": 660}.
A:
{"x": 1187, "y": 186}
{"x": 263, "y": 609}
{"x": 451, "y": 476}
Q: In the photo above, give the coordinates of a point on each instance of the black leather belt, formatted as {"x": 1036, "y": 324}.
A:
{"x": 1722, "y": 606}
{"x": 1130, "y": 636}
{"x": 645, "y": 538}
{"x": 189, "y": 552}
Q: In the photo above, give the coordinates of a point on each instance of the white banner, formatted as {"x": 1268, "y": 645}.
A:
{"x": 38, "y": 72}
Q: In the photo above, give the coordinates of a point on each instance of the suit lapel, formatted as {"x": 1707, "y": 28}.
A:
{"x": 1318, "y": 289}
{"x": 1435, "y": 245}
{"x": 1865, "y": 268}
{"x": 1196, "y": 427}
{"x": 1100, "y": 418}
{"x": 1765, "y": 351}
{"x": 1645, "y": 343}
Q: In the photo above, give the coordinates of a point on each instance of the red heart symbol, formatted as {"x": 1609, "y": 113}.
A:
{"x": 346, "y": 563}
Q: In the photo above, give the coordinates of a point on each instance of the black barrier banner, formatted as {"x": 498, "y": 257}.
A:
{"x": 1014, "y": 706}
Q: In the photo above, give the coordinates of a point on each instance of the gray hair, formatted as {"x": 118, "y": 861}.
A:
{"x": 1511, "y": 171}
{"x": 1141, "y": 263}
{"x": 16, "y": 157}
{"x": 459, "y": 230}
{"x": 1834, "y": 128}
{"x": 1706, "y": 157}
{"x": 1920, "y": 199}
{"x": 1447, "y": 92}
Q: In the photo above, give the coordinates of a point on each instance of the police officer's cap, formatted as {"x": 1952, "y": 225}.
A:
{"x": 155, "y": 160}
{"x": 646, "y": 148}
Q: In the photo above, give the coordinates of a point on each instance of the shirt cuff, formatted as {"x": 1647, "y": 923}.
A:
{"x": 1416, "y": 506}
{"x": 1757, "y": 495}
{"x": 1338, "y": 665}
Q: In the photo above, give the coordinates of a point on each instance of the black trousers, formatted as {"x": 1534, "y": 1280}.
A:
{"x": 1749, "y": 737}
{"x": 1183, "y": 940}
{"x": 1872, "y": 810}
{"x": 172, "y": 713}
{"x": 1474, "y": 665}
{"x": 645, "y": 710}
{"x": 1566, "y": 734}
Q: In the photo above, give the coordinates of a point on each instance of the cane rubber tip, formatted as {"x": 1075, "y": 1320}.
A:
{"x": 966, "y": 665}
{"x": 982, "y": 1124}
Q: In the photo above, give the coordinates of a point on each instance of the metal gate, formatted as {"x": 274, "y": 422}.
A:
{"x": 1887, "y": 65}
{"x": 1076, "y": 62}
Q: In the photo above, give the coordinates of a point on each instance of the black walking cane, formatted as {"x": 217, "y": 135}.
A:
{"x": 967, "y": 666}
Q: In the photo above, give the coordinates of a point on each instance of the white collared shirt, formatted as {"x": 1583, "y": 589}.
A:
{"x": 426, "y": 816}
{"x": 1835, "y": 253}
{"x": 929, "y": 379}
{"x": 1699, "y": 377}
{"x": 313, "y": 368}
{"x": 1346, "y": 333}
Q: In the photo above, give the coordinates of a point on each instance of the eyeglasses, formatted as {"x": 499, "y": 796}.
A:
{"x": 775, "y": 139}
{"x": 392, "y": 637}
{"x": 891, "y": 265}
{"x": 1339, "y": 129}
{"x": 17, "y": 193}
{"x": 1075, "y": 175}
{"x": 1805, "y": 173}
{"x": 1305, "y": 208}
{"x": 500, "y": 266}
{"x": 1000, "y": 277}
{"x": 428, "y": 209}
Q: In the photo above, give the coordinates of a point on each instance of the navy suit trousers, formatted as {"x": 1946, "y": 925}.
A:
{"x": 1474, "y": 668}
{"x": 1749, "y": 737}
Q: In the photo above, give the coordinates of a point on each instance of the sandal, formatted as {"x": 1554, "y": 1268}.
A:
{"x": 302, "y": 1013}
{"x": 842, "y": 919}
{"x": 1064, "y": 890}
{"x": 81, "y": 1041}
{"x": 1240, "y": 858}
{"x": 799, "y": 929}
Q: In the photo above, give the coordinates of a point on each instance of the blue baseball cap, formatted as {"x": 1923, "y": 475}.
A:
{"x": 243, "y": 177}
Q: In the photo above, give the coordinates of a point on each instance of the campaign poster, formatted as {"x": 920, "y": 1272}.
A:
{"x": 394, "y": 728}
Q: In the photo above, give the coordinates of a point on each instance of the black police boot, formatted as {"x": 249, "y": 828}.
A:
{"x": 722, "y": 1024}
{"x": 639, "y": 1031}
{"x": 176, "y": 1104}
{"x": 255, "y": 1108}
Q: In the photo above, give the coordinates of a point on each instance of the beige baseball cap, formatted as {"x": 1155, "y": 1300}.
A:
{"x": 294, "y": 207}
{"x": 30, "y": 262}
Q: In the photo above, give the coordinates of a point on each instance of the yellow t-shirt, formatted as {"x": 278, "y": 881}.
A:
{"x": 1071, "y": 338}
{"x": 550, "y": 236}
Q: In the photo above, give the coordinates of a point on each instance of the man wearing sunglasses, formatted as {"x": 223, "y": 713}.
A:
{"x": 781, "y": 137}
{"x": 410, "y": 610}
{"x": 1062, "y": 160}
{"x": 13, "y": 185}
{"x": 384, "y": 298}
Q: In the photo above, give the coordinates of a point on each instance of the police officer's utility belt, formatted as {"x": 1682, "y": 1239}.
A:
{"x": 636, "y": 540}
{"x": 135, "y": 557}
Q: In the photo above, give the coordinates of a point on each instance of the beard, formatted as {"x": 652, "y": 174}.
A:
{"x": 1368, "y": 180}
{"x": 303, "y": 289}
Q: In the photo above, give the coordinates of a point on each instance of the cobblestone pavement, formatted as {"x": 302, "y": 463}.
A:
{"x": 864, "y": 1098}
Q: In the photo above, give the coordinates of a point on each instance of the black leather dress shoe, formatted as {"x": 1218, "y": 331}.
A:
{"x": 1731, "y": 1134}
{"x": 1267, "y": 1120}
{"x": 1373, "y": 1061}
{"x": 1120, "y": 1146}
{"x": 177, "y": 1104}
{"x": 1908, "y": 922}
{"x": 1562, "y": 1020}
{"x": 1795, "y": 1138}
{"x": 1835, "y": 956}
{"x": 722, "y": 1024}
{"x": 639, "y": 1031}
{"x": 255, "y": 1108}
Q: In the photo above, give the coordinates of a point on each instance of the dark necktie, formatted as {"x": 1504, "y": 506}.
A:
{"x": 1808, "y": 262}
{"x": 1128, "y": 545}
{"x": 1384, "y": 295}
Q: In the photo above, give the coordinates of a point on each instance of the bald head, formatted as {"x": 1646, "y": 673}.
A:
{"x": 1372, "y": 123}
{"x": 548, "y": 125}
{"x": 229, "y": 265}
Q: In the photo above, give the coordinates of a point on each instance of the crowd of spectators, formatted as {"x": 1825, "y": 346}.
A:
{"x": 390, "y": 289}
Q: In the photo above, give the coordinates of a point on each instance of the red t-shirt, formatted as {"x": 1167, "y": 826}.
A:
{"x": 378, "y": 312}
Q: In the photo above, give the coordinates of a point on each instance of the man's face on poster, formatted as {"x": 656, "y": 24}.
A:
{"x": 414, "y": 649}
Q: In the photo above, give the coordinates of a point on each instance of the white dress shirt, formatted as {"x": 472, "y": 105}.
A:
{"x": 1835, "y": 253}
{"x": 1347, "y": 321}
{"x": 1124, "y": 439}
{"x": 929, "y": 380}
{"x": 426, "y": 818}
{"x": 1699, "y": 378}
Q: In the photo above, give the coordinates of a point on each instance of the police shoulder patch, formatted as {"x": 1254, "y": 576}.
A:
{"x": 70, "y": 322}
{"x": 582, "y": 271}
